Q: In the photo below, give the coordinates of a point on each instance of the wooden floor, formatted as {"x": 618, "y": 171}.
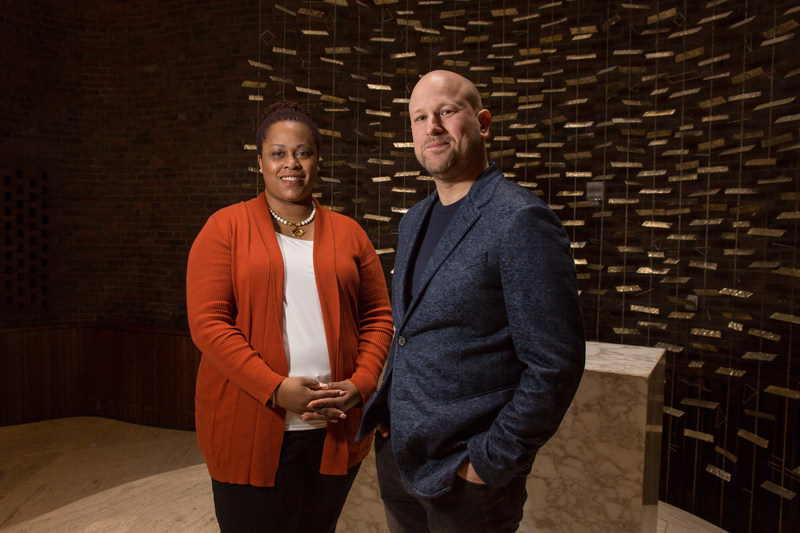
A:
{"x": 97, "y": 475}
{"x": 47, "y": 465}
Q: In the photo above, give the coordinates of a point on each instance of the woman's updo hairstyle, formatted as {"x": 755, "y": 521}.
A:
{"x": 283, "y": 111}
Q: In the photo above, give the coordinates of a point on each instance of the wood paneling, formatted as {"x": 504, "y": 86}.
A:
{"x": 141, "y": 375}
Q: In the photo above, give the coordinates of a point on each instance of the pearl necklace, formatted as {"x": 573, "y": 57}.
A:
{"x": 297, "y": 232}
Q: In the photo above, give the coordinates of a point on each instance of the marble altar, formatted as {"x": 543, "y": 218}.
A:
{"x": 600, "y": 471}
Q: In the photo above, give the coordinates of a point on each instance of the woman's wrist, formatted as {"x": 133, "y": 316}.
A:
{"x": 273, "y": 399}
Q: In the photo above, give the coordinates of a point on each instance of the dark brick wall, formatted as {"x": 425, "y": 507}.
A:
{"x": 135, "y": 113}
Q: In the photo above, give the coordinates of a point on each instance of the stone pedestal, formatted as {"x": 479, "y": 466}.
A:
{"x": 600, "y": 471}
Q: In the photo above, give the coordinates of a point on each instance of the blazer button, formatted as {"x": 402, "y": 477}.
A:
{"x": 401, "y": 341}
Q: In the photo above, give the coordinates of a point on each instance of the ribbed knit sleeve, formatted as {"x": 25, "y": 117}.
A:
{"x": 211, "y": 306}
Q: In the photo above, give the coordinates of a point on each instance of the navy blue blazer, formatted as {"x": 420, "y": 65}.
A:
{"x": 487, "y": 356}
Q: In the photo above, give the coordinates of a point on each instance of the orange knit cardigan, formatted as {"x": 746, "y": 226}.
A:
{"x": 234, "y": 293}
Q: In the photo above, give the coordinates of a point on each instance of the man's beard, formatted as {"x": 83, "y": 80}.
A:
{"x": 441, "y": 167}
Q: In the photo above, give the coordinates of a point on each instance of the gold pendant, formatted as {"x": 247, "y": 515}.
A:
{"x": 297, "y": 232}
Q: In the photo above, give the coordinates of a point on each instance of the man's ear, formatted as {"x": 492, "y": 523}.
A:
{"x": 484, "y": 119}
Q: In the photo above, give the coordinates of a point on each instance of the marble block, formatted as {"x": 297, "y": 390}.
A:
{"x": 600, "y": 471}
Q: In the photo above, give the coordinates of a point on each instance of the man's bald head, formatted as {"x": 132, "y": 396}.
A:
{"x": 457, "y": 85}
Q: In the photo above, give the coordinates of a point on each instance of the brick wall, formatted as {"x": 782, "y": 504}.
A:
{"x": 135, "y": 113}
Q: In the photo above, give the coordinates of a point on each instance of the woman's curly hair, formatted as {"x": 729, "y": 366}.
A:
{"x": 282, "y": 111}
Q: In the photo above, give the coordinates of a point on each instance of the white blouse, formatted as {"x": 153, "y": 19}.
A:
{"x": 303, "y": 329}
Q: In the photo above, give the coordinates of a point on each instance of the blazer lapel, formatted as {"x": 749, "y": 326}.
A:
{"x": 413, "y": 221}
{"x": 463, "y": 220}
{"x": 406, "y": 245}
{"x": 479, "y": 194}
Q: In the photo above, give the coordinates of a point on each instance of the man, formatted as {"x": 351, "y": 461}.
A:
{"x": 489, "y": 339}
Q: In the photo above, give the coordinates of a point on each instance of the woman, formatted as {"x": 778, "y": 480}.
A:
{"x": 288, "y": 304}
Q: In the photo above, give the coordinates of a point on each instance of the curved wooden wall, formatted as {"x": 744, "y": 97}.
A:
{"x": 143, "y": 375}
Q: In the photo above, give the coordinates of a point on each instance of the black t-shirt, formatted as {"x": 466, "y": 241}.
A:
{"x": 438, "y": 220}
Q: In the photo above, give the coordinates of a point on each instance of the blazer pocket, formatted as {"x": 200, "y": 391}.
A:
{"x": 460, "y": 265}
{"x": 481, "y": 373}
{"x": 504, "y": 391}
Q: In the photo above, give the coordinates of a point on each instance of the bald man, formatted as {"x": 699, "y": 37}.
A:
{"x": 489, "y": 338}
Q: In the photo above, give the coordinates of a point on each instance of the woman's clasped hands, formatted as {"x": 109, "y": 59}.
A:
{"x": 315, "y": 400}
